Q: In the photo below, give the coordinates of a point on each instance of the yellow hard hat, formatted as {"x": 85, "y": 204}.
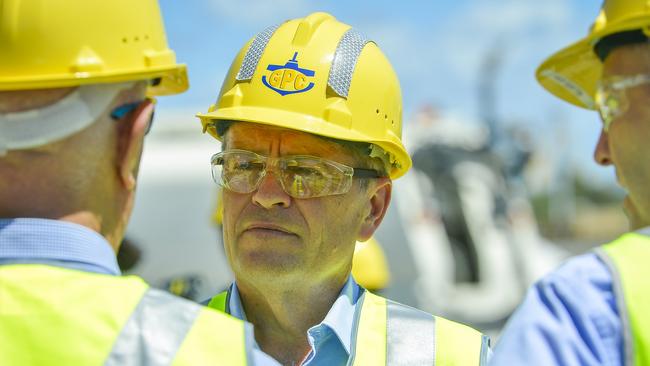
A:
{"x": 572, "y": 73}
{"x": 369, "y": 265}
{"x": 319, "y": 76}
{"x": 62, "y": 43}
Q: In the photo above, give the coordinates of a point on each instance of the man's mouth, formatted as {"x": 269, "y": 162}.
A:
{"x": 268, "y": 228}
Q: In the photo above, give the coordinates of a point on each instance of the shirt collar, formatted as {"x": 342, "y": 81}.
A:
{"x": 55, "y": 242}
{"x": 340, "y": 317}
{"x": 644, "y": 231}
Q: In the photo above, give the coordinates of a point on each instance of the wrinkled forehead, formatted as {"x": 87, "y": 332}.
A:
{"x": 24, "y": 100}
{"x": 632, "y": 59}
{"x": 259, "y": 137}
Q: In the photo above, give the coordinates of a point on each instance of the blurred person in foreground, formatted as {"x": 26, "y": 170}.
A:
{"x": 74, "y": 81}
{"x": 595, "y": 309}
{"x": 310, "y": 121}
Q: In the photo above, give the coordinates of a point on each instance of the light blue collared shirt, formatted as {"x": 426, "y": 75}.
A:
{"x": 330, "y": 340}
{"x": 57, "y": 243}
{"x": 568, "y": 318}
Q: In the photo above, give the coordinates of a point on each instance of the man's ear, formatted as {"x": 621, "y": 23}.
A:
{"x": 380, "y": 193}
{"x": 132, "y": 129}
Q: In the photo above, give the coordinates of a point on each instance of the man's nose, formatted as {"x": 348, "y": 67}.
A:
{"x": 270, "y": 193}
{"x": 601, "y": 153}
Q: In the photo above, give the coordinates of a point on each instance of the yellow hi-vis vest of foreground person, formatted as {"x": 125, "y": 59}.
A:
{"x": 389, "y": 333}
{"x": 55, "y": 316}
{"x": 627, "y": 257}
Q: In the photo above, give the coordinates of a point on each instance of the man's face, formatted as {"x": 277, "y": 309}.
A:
{"x": 627, "y": 143}
{"x": 271, "y": 236}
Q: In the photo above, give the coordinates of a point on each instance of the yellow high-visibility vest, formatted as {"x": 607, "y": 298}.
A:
{"x": 389, "y": 333}
{"x": 628, "y": 258}
{"x": 57, "y": 316}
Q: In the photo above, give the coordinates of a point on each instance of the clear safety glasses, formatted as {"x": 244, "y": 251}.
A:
{"x": 611, "y": 98}
{"x": 301, "y": 176}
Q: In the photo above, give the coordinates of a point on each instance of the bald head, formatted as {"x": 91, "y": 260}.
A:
{"x": 79, "y": 174}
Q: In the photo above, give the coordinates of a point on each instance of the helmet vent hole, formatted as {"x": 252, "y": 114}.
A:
{"x": 392, "y": 122}
{"x": 385, "y": 116}
{"x": 136, "y": 38}
{"x": 125, "y": 40}
{"x": 146, "y": 36}
{"x": 377, "y": 111}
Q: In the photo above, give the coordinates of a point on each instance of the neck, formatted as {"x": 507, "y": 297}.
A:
{"x": 57, "y": 207}
{"x": 282, "y": 316}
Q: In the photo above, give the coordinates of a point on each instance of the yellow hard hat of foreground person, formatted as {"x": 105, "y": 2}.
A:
{"x": 352, "y": 94}
{"x": 572, "y": 73}
{"x": 61, "y": 43}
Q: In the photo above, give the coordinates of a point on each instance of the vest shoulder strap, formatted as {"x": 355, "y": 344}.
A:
{"x": 165, "y": 329}
{"x": 627, "y": 258}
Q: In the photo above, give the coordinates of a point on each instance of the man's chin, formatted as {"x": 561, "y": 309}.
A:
{"x": 267, "y": 265}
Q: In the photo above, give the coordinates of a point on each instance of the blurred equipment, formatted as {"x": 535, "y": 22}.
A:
{"x": 184, "y": 286}
{"x": 468, "y": 221}
{"x": 369, "y": 265}
{"x": 129, "y": 255}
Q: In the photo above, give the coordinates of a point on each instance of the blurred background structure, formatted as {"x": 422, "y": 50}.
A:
{"x": 503, "y": 185}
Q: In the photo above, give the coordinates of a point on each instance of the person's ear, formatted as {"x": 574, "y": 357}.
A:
{"x": 379, "y": 198}
{"x": 132, "y": 129}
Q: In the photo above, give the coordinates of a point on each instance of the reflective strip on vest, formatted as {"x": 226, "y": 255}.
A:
{"x": 155, "y": 331}
{"x": 389, "y": 333}
{"x": 627, "y": 258}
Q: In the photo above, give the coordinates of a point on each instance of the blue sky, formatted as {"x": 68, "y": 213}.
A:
{"x": 436, "y": 48}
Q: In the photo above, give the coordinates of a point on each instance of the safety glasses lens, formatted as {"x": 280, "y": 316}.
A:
{"x": 300, "y": 176}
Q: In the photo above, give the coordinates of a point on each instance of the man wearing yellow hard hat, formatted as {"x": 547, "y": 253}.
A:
{"x": 74, "y": 80}
{"x": 595, "y": 309}
{"x": 310, "y": 119}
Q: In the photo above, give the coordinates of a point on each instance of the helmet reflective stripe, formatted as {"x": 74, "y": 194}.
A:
{"x": 254, "y": 53}
{"x": 345, "y": 59}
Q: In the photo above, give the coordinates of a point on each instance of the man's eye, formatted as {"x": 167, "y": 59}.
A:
{"x": 242, "y": 165}
{"x": 305, "y": 171}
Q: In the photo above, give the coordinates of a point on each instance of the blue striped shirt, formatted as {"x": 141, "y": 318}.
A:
{"x": 568, "y": 318}
{"x": 56, "y": 243}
